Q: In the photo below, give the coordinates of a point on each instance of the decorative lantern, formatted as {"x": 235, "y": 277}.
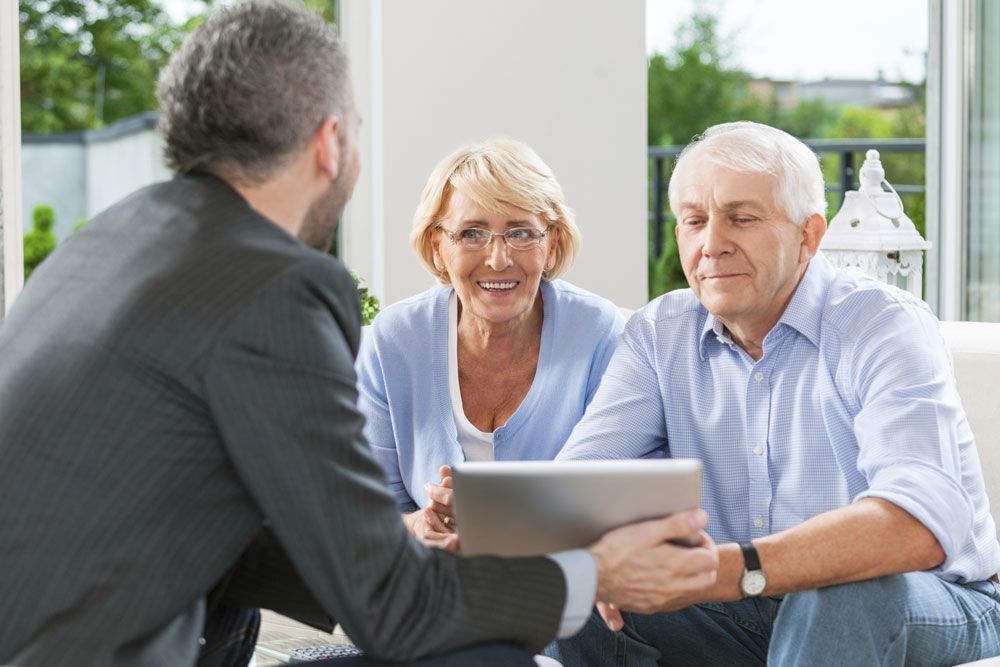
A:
{"x": 871, "y": 231}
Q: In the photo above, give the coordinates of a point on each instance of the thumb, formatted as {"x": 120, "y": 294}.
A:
{"x": 611, "y": 615}
{"x": 675, "y": 526}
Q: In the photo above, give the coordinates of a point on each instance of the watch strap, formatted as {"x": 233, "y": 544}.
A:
{"x": 751, "y": 560}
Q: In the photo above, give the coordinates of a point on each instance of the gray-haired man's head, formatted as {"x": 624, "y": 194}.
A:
{"x": 248, "y": 89}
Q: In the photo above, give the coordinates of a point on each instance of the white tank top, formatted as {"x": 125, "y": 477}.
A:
{"x": 477, "y": 445}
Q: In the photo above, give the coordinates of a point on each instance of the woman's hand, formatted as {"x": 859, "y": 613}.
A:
{"x": 442, "y": 498}
{"x": 427, "y": 526}
{"x": 435, "y": 525}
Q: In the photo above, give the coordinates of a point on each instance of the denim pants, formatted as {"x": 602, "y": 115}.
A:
{"x": 906, "y": 619}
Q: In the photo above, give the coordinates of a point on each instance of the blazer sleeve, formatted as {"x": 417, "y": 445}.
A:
{"x": 282, "y": 390}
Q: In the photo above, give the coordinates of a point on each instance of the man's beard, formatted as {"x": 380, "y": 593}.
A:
{"x": 323, "y": 216}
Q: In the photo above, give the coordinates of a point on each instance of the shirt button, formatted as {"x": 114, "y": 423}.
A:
{"x": 758, "y": 523}
{"x": 758, "y": 450}
{"x": 758, "y": 376}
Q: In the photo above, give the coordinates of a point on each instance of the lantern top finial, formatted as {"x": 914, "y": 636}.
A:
{"x": 872, "y": 173}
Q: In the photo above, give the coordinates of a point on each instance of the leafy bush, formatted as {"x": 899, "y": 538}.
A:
{"x": 370, "y": 305}
{"x": 40, "y": 241}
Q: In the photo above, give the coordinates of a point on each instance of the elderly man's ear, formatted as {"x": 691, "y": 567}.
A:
{"x": 813, "y": 230}
{"x": 326, "y": 146}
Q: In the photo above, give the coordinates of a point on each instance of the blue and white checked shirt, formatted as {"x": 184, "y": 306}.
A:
{"x": 853, "y": 397}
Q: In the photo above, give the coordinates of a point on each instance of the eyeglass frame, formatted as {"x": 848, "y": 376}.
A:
{"x": 537, "y": 242}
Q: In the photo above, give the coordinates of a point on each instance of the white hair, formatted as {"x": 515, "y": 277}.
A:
{"x": 753, "y": 148}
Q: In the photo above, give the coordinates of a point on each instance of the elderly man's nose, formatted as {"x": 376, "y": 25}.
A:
{"x": 716, "y": 240}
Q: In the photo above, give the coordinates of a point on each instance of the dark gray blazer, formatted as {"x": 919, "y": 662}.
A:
{"x": 175, "y": 379}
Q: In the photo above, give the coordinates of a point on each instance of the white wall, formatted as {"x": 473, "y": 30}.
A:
{"x": 80, "y": 174}
{"x": 121, "y": 165}
{"x": 566, "y": 76}
{"x": 54, "y": 174}
{"x": 11, "y": 248}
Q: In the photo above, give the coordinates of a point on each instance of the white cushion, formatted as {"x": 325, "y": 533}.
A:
{"x": 975, "y": 351}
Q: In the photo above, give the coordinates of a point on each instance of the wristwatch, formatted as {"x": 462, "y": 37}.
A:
{"x": 753, "y": 582}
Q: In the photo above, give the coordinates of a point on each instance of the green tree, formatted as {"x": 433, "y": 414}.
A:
{"x": 40, "y": 241}
{"x": 690, "y": 89}
{"x": 85, "y": 64}
{"x": 696, "y": 86}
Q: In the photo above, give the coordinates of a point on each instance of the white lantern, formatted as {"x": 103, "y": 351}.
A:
{"x": 871, "y": 231}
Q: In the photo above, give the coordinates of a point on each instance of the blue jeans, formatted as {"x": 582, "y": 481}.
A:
{"x": 906, "y": 619}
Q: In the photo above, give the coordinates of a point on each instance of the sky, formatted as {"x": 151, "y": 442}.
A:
{"x": 807, "y": 40}
{"x": 802, "y": 40}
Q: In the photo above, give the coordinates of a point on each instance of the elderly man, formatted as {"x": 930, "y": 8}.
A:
{"x": 177, "y": 409}
{"x": 840, "y": 472}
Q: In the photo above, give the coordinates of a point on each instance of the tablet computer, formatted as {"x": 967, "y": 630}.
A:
{"x": 526, "y": 508}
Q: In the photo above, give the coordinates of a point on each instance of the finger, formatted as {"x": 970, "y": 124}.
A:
{"x": 675, "y": 526}
{"x": 436, "y": 536}
{"x": 446, "y": 482}
{"x": 687, "y": 561}
{"x": 444, "y": 471}
{"x": 439, "y": 494}
{"x": 447, "y": 543}
{"x": 448, "y": 521}
{"x": 436, "y": 523}
{"x": 443, "y": 510}
{"x": 450, "y": 543}
{"x": 611, "y": 615}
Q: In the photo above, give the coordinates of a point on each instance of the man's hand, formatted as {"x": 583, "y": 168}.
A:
{"x": 640, "y": 570}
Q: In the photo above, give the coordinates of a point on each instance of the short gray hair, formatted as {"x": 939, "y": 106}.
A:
{"x": 249, "y": 88}
{"x": 753, "y": 148}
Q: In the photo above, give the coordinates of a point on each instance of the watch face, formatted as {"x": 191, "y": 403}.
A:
{"x": 753, "y": 583}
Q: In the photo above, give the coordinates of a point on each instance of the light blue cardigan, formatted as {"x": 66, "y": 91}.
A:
{"x": 403, "y": 384}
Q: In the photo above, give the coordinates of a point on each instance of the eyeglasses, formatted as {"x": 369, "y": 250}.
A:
{"x": 520, "y": 238}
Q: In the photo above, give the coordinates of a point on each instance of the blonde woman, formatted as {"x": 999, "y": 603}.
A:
{"x": 500, "y": 360}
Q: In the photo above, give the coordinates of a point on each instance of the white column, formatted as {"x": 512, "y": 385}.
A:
{"x": 362, "y": 229}
{"x": 949, "y": 59}
{"x": 566, "y": 76}
{"x": 11, "y": 240}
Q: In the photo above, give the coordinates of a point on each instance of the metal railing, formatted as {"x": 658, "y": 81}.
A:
{"x": 846, "y": 149}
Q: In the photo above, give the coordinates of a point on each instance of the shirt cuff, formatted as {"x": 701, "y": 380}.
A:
{"x": 580, "y": 572}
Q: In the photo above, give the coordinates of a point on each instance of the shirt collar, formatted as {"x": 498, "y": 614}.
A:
{"x": 805, "y": 311}
{"x": 803, "y": 314}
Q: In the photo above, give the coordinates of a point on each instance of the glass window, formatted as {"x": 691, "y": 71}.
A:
{"x": 982, "y": 279}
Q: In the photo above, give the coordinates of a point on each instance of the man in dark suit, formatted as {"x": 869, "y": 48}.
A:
{"x": 178, "y": 431}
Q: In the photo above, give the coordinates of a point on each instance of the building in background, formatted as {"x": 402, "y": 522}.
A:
{"x": 80, "y": 174}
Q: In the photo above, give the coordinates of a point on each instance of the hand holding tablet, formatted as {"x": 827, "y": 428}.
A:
{"x": 638, "y": 520}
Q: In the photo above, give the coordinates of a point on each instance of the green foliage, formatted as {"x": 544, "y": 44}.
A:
{"x": 85, "y": 64}
{"x": 370, "y": 305}
{"x": 910, "y": 168}
{"x": 40, "y": 241}
{"x": 696, "y": 86}
{"x": 665, "y": 272}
